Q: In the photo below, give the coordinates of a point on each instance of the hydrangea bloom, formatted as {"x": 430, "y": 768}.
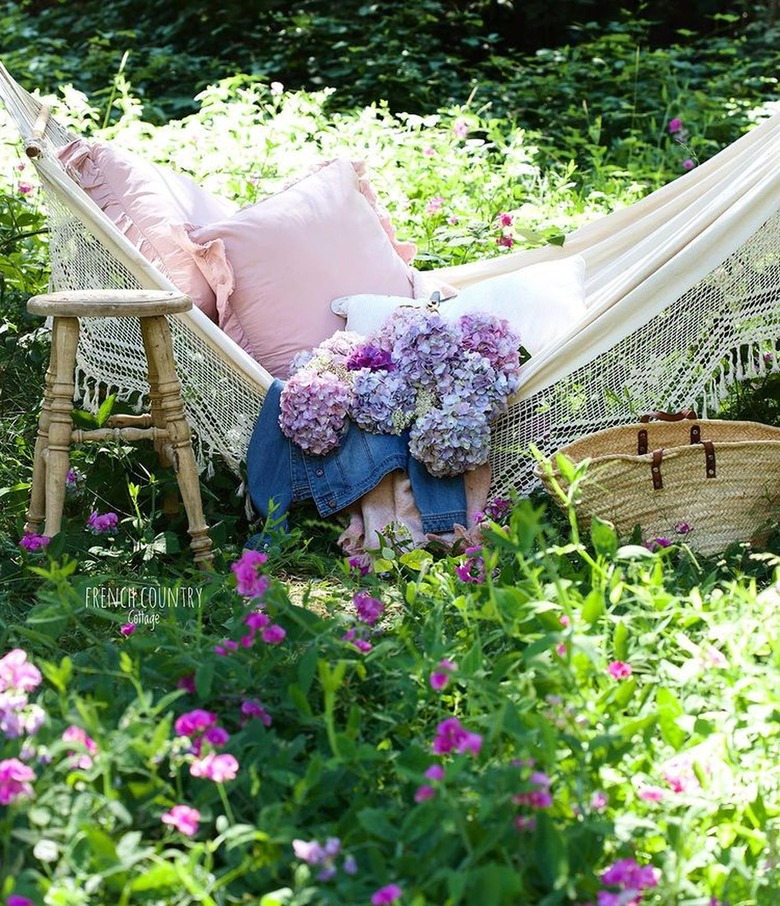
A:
{"x": 444, "y": 380}
{"x": 184, "y": 818}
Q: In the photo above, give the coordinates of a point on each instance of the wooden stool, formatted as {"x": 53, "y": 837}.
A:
{"x": 166, "y": 425}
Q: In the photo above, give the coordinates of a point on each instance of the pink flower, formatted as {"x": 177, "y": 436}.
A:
{"x": 217, "y": 736}
{"x": 505, "y": 242}
{"x": 257, "y": 620}
{"x": 226, "y": 647}
{"x": 688, "y": 164}
{"x": 440, "y": 678}
{"x": 540, "y": 796}
{"x": 360, "y": 564}
{"x": 16, "y": 899}
{"x": 599, "y": 801}
{"x": 387, "y": 895}
{"x": 218, "y": 768}
{"x": 194, "y": 722}
{"x": 273, "y": 634}
{"x": 679, "y": 774}
{"x": 369, "y": 609}
{"x": 187, "y": 682}
{"x": 525, "y": 822}
{"x": 127, "y": 629}
{"x": 629, "y": 875}
{"x": 650, "y": 793}
{"x": 683, "y": 528}
{"x": 76, "y": 734}
{"x": 250, "y": 582}
{"x": 429, "y": 152}
{"x": 33, "y": 543}
{"x": 102, "y": 523}
{"x": 460, "y": 128}
{"x": 435, "y": 772}
{"x": 675, "y": 125}
{"x": 253, "y": 708}
{"x": 451, "y": 735}
{"x": 434, "y": 205}
{"x": 504, "y": 220}
{"x": 17, "y": 673}
{"x": 184, "y": 818}
{"x": 15, "y": 781}
{"x": 424, "y": 792}
{"x": 620, "y": 670}
{"x": 472, "y": 569}
{"x": 25, "y": 188}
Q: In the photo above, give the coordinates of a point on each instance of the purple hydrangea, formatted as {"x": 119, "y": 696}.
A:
{"x": 450, "y": 441}
{"x": 383, "y": 403}
{"x": 422, "y": 345}
{"x": 313, "y": 410}
{"x": 371, "y": 357}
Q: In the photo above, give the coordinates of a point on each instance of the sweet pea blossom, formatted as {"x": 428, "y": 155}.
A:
{"x": 451, "y": 736}
{"x": 620, "y": 670}
{"x": 387, "y": 895}
{"x": 33, "y": 542}
{"x": 218, "y": 768}
{"x": 440, "y": 678}
{"x": 435, "y": 773}
{"x": 460, "y": 128}
{"x": 688, "y": 164}
{"x": 15, "y": 899}
{"x": 273, "y": 634}
{"x": 630, "y": 875}
{"x": 472, "y": 569}
{"x": 313, "y": 853}
{"x": 252, "y": 708}
{"x": 250, "y": 582}
{"x": 127, "y": 629}
{"x": 369, "y": 609}
{"x": 539, "y": 796}
{"x": 675, "y": 125}
{"x": 102, "y": 523}
{"x": 17, "y": 673}
{"x": 184, "y": 818}
{"x": 15, "y": 781}
{"x": 82, "y": 760}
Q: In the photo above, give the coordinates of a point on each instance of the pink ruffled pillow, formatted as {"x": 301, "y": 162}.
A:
{"x": 146, "y": 202}
{"x": 276, "y": 266}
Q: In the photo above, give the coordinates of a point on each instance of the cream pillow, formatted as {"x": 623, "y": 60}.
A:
{"x": 540, "y": 302}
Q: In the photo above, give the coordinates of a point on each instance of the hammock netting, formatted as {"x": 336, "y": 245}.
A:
{"x": 683, "y": 299}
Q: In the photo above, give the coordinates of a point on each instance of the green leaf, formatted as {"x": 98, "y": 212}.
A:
{"x": 161, "y": 875}
{"x": 204, "y": 678}
{"x": 593, "y": 606}
{"x": 105, "y": 410}
{"x": 669, "y": 709}
{"x": 375, "y": 821}
{"x": 604, "y": 537}
{"x": 416, "y": 559}
{"x": 620, "y": 641}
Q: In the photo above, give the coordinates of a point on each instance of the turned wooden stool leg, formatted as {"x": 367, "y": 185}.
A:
{"x": 166, "y": 389}
{"x": 36, "y": 511}
{"x": 65, "y": 337}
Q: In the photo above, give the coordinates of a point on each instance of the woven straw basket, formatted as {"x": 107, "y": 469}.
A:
{"x": 717, "y": 481}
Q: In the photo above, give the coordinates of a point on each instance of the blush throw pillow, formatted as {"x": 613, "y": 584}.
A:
{"x": 540, "y": 302}
{"x": 276, "y": 266}
{"x": 147, "y": 202}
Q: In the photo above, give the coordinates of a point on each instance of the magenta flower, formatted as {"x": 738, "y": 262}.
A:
{"x": 127, "y": 629}
{"x": 505, "y": 242}
{"x": 371, "y": 357}
{"x": 539, "y": 797}
{"x": 273, "y": 634}
{"x": 187, "y": 682}
{"x": 362, "y": 645}
{"x": 440, "y": 678}
{"x": 217, "y": 736}
{"x": 688, "y": 164}
{"x": 226, "y": 647}
{"x": 387, "y": 895}
{"x": 620, "y": 670}
{"x": 81, "y": 760}
{"x": 434, "y": 205}
{"x": 650, "y": 793}
{"x": 25, "y": 188}
{"x": 218, "y": 768}
{"x": 33, "y": 543}
{"x": 15, "y": 899}
{"x": 369, "y": 609}
{"x": 253, "y": 708}
{"x": 15, "y": 781}
{"x": 451, "y": 736}
{"x": 629, "y": 875}
{"x": 256, "y": 620}
{"x": 599, "y": 801}
{"x": 17, "y": 673}
{"x": 504, "y": 220}
{"x": 102, "y": 523}
{"x": 194, "y": 722}
{"x": 675, "y": 125}
{"x": 678, "y": 772}
{"x": 472, "y": 569}
{"x": 250, "y": 582}
{"x": 184, "y": 818}
{"x": 683, "y": 528}
{"x": 434, "y": 773}
{"x": 460, "y": 128}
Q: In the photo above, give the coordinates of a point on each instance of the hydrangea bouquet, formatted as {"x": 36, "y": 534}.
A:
{"x": 445, "y": 381}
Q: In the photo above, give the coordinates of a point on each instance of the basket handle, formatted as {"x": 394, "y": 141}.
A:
{"x": 641, "y": 438}
{"x": 669, "y": 416}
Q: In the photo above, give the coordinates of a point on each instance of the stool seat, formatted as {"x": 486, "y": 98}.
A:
{"x": 105, "y": 303}
{"x": 166, "y": 425}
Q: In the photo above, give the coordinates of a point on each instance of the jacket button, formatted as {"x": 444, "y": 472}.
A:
{"x": 332, "y": 504}
{"x": 319, "y": 473}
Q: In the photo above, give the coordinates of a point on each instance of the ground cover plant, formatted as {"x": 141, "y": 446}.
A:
{"x": 551, "y": 716}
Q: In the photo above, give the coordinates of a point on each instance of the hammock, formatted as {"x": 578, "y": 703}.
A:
{"x": 682, "y": 295}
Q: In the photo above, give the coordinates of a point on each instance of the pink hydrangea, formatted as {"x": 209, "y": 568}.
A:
{"x": 184, "y": 818}
{"x": 218, "y": 768}
{"x": 15, "y": 781}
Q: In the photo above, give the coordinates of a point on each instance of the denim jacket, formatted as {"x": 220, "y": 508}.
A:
{"x": 278, "y": 470}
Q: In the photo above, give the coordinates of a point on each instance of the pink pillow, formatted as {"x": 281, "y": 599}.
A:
{"x": 145, "y": 202}
{"x": 276, "y": 266}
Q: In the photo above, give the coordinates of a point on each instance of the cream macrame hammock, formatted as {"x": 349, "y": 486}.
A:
{"x": 682, "y": 293}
